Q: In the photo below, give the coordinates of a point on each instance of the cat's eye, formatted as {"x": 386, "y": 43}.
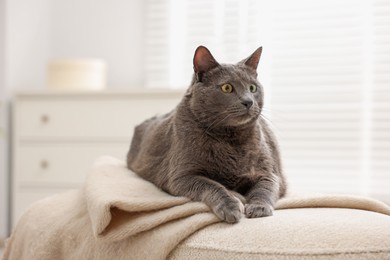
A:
{"x": 227, "y": 88}
{"x": 253, "y": 88}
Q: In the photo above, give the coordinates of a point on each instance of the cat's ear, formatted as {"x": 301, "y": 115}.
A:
{"x": 253, "y": 60}
{"x": 203, "y": 61}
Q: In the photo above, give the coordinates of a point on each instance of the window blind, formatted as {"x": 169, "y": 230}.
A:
{"x": 324, "y": 68}
{"x": 175, "y": 28}
{"x": 380, "y": 154}
{"x": 157, "y": 33}
{"x": 317, "y": 94}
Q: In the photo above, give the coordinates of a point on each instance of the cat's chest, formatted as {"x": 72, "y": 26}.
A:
{"x": 231, "y": 162}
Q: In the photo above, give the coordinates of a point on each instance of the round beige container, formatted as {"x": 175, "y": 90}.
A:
{"x": 77, "y": 74}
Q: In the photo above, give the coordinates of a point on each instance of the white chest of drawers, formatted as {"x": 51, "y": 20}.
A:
{"x": 57, "y": 136}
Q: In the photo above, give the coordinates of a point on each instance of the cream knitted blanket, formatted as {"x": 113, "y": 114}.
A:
{"x": 118, "y": 215}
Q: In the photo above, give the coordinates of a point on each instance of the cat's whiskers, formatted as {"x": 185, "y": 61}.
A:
{"x": 215, "y": 123}
{"x": 241, "y": 112}
{"x": 215, "y": 118}
{"x": 205, "y": 118}
{"x": 266, "y": 118}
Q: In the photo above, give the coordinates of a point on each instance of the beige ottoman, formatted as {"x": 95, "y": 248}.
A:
{"x": 309, "y": 233}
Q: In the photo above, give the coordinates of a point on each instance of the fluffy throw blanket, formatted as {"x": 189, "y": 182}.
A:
{"x": 117, "y": 215}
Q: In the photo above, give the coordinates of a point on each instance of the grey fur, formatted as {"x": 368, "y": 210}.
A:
{"x": 214, "y": 142}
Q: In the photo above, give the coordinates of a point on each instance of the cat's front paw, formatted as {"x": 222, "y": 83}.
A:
{"x": 257, "y": 210}
{"x": 229, "y": 210}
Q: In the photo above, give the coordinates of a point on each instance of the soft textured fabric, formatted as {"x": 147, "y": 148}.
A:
{"x": 118, "y": 215}
{"x": 305, "y": 233}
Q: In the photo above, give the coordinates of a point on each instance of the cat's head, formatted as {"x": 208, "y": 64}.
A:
{"x": 225, "y": 95}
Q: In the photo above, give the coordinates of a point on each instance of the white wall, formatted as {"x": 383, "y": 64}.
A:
{"x": 33, "y": 32}
{"x": 27, "y": 43}
{"x": 112, "y": 30}
{"x": 42, "y": 29}
{"x": 3, "y": 120}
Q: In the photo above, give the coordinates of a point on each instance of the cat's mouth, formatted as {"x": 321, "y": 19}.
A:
{"x": 246, "y": 117}
{"x": 245, "y": 120}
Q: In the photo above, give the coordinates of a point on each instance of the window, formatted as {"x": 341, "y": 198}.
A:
{"x": 325, "y": 68}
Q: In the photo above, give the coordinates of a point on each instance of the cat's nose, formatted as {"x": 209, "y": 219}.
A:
{"x": 247, "y": 103}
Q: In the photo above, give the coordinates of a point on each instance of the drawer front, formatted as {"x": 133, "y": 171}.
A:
{"x": 87, "y": 118}
{"x": 62, "y": 164}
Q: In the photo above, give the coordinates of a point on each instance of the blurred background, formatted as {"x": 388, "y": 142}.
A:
{"x": 325, "y": 69}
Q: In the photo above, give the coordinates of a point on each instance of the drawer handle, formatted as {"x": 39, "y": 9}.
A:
{"x": 44, "y": 164}
{"x": 44, "y": 119}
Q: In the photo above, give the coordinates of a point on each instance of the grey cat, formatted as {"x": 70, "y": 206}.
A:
{"x": 214, "y": 142}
